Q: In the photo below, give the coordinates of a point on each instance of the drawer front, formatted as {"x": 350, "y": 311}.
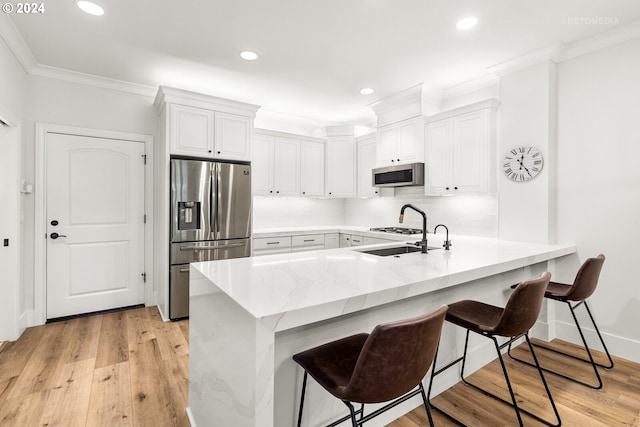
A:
{"x": 357, "y": 240}
{"x": 266, "y": 243}
{"x": 308, "y": 240}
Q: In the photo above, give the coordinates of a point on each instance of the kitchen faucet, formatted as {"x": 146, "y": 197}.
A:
{"x": 423, "y": 242}
{"x": 447, "y": 243}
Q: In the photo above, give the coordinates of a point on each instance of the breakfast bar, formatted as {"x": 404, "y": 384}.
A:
{"x": 249, "y": 315}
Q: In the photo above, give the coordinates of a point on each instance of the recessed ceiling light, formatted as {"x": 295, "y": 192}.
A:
{"x": 467, "y": 23}
{"x": 90, "y": 7}
{"x": 366, "y": 91}
{"x": 248, "y": 55}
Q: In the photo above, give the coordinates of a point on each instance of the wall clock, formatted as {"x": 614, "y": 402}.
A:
{"x": 522, "y": 163}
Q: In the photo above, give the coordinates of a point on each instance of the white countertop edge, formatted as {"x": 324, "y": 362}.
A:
{"x": 297, "y": 316}
{"x": 305, "y": 315}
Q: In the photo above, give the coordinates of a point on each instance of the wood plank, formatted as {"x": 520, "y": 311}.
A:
{"x": 139, "y": 325}
{"x": 152, "y": 398}
{"x": 110, "y": 404}
{"x": 68, "y": 400}
{"x": 40, "y": 371}
{"x": 113, "y": 346}
{"x": 15, "y": 356}
{"x": 25, "y": 411}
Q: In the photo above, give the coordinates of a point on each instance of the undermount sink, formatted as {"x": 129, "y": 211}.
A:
{"x": 396, "y": 250}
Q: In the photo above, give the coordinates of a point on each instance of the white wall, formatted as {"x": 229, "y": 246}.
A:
{"x": 12, "y": 108}
{"x": 598, "y": 184}
{"x": 66, "y": 103}
{"x": 271, "y": 212}
{"x": 527, "y": 118}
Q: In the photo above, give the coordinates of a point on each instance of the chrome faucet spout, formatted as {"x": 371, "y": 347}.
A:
{"x": 423, "y": 242}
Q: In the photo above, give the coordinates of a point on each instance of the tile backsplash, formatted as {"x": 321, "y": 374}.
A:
{"x": 475, "y": 215}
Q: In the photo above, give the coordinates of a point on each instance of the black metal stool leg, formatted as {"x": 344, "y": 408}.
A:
{"x": 544, "y": 381}
{"x": 513, "y": 398}
{"x": 304, "y": 388}
{"x": 591, "y": 360}
{"x": 513, "y": 403}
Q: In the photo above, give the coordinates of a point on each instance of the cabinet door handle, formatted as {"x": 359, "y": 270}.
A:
{"x": 273, "y": 243}
{"x": 309, "y": 240}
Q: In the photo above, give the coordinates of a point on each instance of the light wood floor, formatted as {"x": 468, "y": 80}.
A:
{"x": 131, "y": 368}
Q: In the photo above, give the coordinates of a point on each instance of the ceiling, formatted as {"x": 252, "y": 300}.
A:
{"x": 315, "y": 55}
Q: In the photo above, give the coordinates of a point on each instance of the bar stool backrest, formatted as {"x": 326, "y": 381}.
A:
{"x": 586, "y": 279}
{"x": 523, "y": 307}
{"x": 395, "y": 358}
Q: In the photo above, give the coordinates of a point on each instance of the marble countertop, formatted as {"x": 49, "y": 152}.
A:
{"x": 293, "y": 289}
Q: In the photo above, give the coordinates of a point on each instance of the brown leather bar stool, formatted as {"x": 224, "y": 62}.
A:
{"x": 582, "y": 288}
{"x": 386, "y": 365}
{"x": 513, "y": 321}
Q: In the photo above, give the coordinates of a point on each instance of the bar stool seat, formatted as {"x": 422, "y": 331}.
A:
{"x": 386, "y": 365}
{"x": 513, "y": 321}
{"x": 584, "y": 285}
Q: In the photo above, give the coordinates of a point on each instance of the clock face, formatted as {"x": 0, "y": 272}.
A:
{"x": 522, "y": 164}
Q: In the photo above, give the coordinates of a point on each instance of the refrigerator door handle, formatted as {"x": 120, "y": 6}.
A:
{"x": 210, "y": 247}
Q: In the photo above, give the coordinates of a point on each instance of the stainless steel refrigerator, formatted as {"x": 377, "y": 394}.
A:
{"x": 210, "y": 220}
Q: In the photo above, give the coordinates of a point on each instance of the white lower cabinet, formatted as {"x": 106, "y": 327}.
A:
{"x": 357, "y": 240}
{"x": 331, "y": 241}
{"x": 309, "y": 242}
{"x": 345, "y": 240}
{"x": 271, "y": 245}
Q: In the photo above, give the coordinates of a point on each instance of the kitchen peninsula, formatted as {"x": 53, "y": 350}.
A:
{"x": 249, "y": 315}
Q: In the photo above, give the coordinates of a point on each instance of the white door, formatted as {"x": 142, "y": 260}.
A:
{"x": 95, "y": 224}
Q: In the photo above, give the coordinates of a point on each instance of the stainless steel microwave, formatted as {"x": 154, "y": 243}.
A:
{"x": 408, "y": 175}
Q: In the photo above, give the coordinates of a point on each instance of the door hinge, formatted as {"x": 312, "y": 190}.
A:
{"x": 144, "y": 277}
{"x": 144, "y": 158}
{"x": 144, "y": 219}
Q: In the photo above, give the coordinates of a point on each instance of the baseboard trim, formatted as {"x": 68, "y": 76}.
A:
{"x": 625, "y": 348}
{"x": 26, "y": 319}
{"x": 190, "y": 417}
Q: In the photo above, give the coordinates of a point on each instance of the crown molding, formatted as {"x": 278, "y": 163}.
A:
{"x": 16, "y": 43}
{"x": 549, "y": 53}
{"x": 92, "y": 80}
{"x": 468, "y": 86}
{"x": 601, "y": 41}
{"x": 169, "y": 95}
{"x": 491, "y": 103}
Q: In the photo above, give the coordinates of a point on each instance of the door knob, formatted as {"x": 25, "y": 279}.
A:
{"x": 54, "y": 236}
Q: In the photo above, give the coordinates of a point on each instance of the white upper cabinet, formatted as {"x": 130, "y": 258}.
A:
{"x": 191, "y": 131}
{"x": 460, "y": 152}
{"x": 401, "y": 142}
{"x": 232, "y": 137}
{"x": 262, "y": 165}
{"x": 341, "y": 167}
{"x": 311, "y": 169}
{"x": 205, "y": 126}
{"x": 286, "y": 167}
{"x": 366, "y": 154}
